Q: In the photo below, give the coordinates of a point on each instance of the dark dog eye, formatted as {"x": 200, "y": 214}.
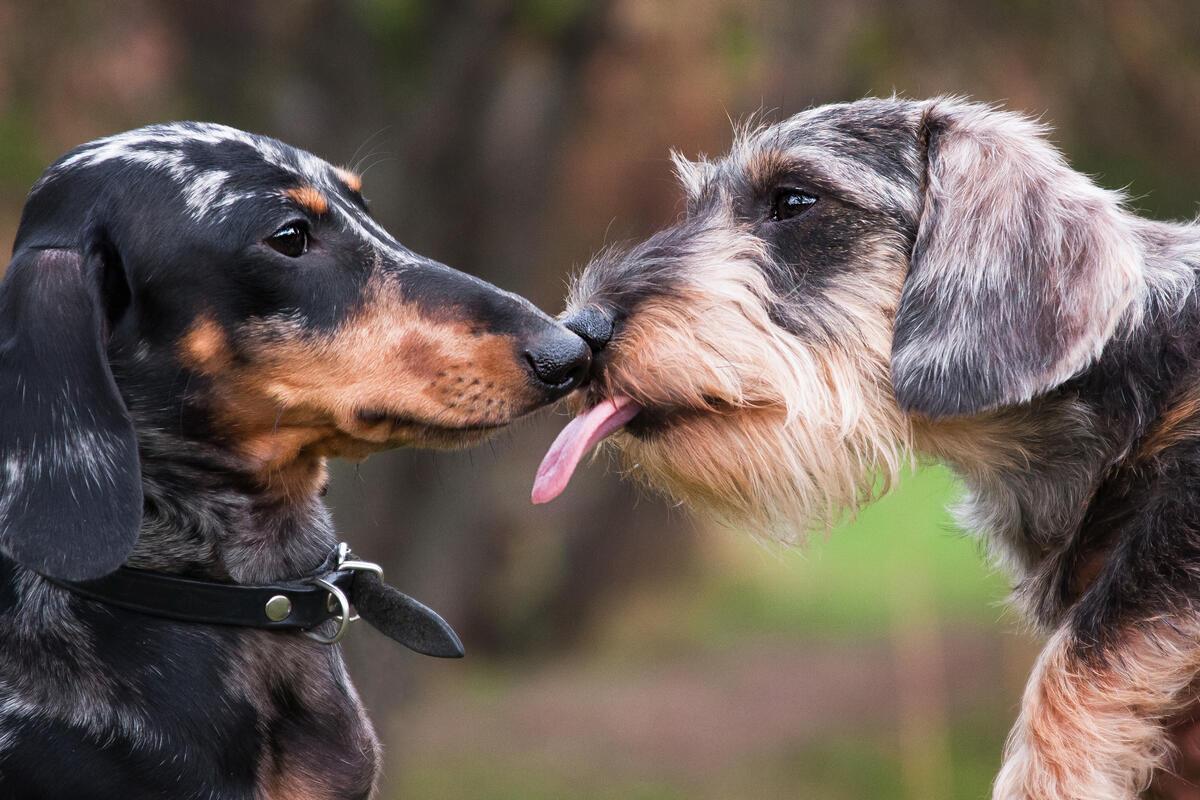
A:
{"x": 790, "y": 203}
{"x": 291, "y": 240}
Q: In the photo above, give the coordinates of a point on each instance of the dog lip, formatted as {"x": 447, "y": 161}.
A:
{"x": 656, "y": 420}
{"x": 371, "y": 417}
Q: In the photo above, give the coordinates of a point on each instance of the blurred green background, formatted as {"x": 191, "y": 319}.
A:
{"x": 618, "y": 649}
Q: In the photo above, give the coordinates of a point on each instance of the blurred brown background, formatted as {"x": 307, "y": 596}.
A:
{"x": 616, "y": 649}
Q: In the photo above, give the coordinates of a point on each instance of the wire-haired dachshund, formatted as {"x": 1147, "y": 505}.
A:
{"x": 193, "y": 321}
{"x": 870, "y": 281}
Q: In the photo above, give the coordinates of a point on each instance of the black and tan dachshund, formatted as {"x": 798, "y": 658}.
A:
{"x": 194, "y": 319}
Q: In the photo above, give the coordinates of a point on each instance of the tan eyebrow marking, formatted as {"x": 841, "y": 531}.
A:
{"x": 310, "y": 198}
{"x": 352, "y": 179}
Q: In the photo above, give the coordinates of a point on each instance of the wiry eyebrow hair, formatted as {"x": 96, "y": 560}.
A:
{"x": 310, "y": 199}
{"x": 352, "y": 183}
{"x": 351, "y": 179}
{"x": 850, "y": 176}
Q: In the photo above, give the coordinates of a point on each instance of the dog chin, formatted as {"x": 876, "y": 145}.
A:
{"x": 722, "y": 464}
{"x": 373, "y": 431}
{"x": 434, "y": 438}
{"x": 719, "y": 459}
{"x": 754, "y": 467}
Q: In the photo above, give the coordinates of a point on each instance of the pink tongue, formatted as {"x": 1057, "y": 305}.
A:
{"x": 581, "y": 435}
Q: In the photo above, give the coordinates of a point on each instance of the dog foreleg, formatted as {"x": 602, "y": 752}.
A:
{"x": 1091, "y": 721}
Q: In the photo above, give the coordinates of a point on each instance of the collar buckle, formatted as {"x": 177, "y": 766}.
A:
{"x": 338, "y": 602}
{"x": 347, "y": 560}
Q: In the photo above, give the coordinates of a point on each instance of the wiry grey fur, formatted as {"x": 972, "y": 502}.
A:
{"x": 956, "y": 292}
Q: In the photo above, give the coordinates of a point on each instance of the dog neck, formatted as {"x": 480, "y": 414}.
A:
{"x": 206, "y": 516}
{"x": 1029, "y": 476}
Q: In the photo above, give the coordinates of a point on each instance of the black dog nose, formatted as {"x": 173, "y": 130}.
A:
{"x": 559, "y": 359}
{"x": 593, "y": 325}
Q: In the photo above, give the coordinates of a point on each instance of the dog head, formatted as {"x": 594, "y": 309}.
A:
{"x": 231, "y": 290}
{"x": 836, "y": 280}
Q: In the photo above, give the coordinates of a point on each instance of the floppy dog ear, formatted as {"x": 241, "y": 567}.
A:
{"x": 1020, "y": 272}
{"x": 70, "y": 480}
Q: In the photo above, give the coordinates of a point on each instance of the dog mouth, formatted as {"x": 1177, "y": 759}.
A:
{"x": 598, "y": 422}
{"x": 592, "y": 426}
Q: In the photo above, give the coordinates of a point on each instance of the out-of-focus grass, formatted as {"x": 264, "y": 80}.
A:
{"x": 852, "y": 582}
{"x": 845, "y": 582}
{"x": 899, "y": 585}
{"x": 860, "y": 767}
{"x": 502, "y": 780}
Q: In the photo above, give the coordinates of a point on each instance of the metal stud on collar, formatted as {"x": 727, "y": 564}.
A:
{"x": 278, "y": 608}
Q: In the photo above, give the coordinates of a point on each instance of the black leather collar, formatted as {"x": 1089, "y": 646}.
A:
{"x": 314, "y": 604}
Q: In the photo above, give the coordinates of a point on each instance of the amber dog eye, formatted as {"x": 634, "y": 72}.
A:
{"x": 790, "y": 203}
{"x": 291, "y": 240}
